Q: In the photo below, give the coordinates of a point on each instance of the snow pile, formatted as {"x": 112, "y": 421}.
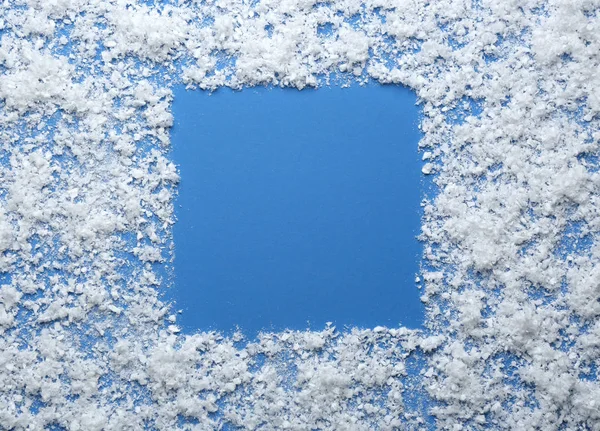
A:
{"x": 510, "y": 270}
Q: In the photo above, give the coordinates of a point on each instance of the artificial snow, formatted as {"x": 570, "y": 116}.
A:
{"x": 510, "y": 276}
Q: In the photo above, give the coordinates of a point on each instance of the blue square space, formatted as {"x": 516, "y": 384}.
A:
{"x": 297, "y": 208}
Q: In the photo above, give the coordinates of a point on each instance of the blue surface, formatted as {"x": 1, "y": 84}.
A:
{"x": 297, "y": 208}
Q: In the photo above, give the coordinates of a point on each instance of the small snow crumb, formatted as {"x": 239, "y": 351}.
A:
{"x": 427, "y": 168}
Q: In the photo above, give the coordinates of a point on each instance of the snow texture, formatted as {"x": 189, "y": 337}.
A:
{"x": 510, "y": 273}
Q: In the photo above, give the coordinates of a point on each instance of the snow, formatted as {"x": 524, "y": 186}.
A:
{"x": 510, "y": 276}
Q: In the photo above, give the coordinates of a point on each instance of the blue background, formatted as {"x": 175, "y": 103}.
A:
{"x": 297, "y": 208}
